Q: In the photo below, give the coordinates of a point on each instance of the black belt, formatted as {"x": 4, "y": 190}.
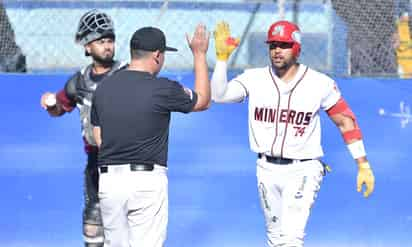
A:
{"x": 279, "y": 160}
{"x": 133, "y": 167}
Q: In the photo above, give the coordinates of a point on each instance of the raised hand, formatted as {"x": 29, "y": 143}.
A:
{"x": 199, "y": 43}
{"x": 224, "y": 43}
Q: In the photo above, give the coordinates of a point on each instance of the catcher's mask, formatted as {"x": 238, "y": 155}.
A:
{"x": 285, "y": 31}
{"x": 94, "y": 25}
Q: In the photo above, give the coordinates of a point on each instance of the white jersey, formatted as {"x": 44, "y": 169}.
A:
{"x": 284, "y": 117}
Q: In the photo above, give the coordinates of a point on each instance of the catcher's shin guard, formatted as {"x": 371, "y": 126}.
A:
{"x": 92, "y": 221}
{"x": 93, "y": 227}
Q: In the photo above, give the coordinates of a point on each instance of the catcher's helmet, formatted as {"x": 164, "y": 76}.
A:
{"x": 285, "y": 31}
{"x": 94, "y": 25}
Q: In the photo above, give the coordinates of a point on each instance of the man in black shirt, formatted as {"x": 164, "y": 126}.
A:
{"x": 131, "y": 114}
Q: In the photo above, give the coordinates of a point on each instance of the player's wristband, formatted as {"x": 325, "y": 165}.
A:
{"x": 357, "y": 149}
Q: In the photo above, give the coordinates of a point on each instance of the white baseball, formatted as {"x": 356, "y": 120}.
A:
{"x": 51, "y": 100}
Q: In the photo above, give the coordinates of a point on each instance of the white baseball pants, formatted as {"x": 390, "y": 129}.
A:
{"x": 287, "y": 193}
{"x": 134, "y": 206}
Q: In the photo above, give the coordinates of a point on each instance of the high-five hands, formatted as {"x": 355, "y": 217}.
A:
{"x": 199, "y": 43}
{"x": 224, "y": 43}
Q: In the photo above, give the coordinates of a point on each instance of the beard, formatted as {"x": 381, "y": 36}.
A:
{"x": 283, "y": 65}
{"x": 105, "y": 60}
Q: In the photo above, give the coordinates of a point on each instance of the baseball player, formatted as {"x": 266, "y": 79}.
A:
{"x": 284, "y": 128}
{"x": 96, "y": 33}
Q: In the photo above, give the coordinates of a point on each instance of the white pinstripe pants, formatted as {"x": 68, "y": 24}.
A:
{"x": 287, "y": 193}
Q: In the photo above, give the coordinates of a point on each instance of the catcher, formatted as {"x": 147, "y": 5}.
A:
{"x": 96, "y": 33}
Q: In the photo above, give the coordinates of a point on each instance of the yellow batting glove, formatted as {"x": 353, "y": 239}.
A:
{"x": 224, "y": 44}
{"x": 365, "y": 176}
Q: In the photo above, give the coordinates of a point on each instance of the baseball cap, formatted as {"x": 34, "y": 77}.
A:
{"x": 149, "y": 39}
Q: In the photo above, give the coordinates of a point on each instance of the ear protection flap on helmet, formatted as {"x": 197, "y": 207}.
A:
{"x": 296, "y": 49}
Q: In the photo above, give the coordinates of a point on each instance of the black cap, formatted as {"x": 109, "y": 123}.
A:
{"x": 149, "y": 39}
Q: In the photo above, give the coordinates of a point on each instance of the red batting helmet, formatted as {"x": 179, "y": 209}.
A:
{"x": 285, "y": 31}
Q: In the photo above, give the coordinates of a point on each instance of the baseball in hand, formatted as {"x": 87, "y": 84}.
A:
{"x": 51, "y": 100}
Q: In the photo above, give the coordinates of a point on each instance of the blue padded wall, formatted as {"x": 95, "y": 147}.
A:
{"x": 212, "y": 182}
